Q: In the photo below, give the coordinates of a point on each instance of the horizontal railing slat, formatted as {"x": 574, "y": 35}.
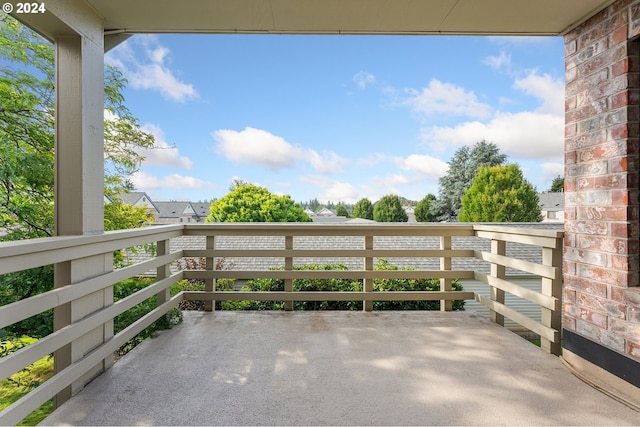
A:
{"x": 328, "y": 296}
{"x": 547, "y": 242}
{"x": 346, "y": 229}
{"x": 26, "y": 254}
{"x": 532, "y": 325}
{"x": 328, "y": 274}
{"x": 330, "y": 253}
{"x": 520, "y": 291}
{"x": 518, "y": 264}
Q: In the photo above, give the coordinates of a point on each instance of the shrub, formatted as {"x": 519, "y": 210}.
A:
{"x": 343, "y": 285}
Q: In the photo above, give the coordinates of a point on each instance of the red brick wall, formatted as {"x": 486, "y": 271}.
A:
{"x": 601, "y": 257}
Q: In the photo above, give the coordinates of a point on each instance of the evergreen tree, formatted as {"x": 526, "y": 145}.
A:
{"x": 363, "y": 209}
{"x": 423, "y": 209}
{"x": 389, "y": 209}
{"x": 557, "y": 185}
{"x": 462, "y": 170}
{"x": 500, "y": 194}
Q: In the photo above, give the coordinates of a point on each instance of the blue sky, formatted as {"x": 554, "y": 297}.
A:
{"x": 338, "y": 117}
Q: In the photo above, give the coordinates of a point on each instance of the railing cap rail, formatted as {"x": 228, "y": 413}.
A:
{"x": 29, "y": 246}
{"x": 525, "y": 228}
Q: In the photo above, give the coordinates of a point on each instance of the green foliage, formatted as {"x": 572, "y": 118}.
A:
{"x": 27, "y": 102}
{"x": 557, "y": 185}
{"x": 27, "y": 132}
{"x": 343, "y": 285}
{"x": 422, "y": 210}
{"x": 396, "y": 285}
{"x": 129, "y": 287}
{"x": 463, "y": 168}
{"x": 363, "y": 209}
{"x": 389, "y": 209}
{"x": 500, "y": 194}
{"x": 121, "y": 216}
{"x": 23, "y": 382}
{"x": 250, "y": 203}
{"x": 24, "y": 284}
{"x": 341, "y": 210}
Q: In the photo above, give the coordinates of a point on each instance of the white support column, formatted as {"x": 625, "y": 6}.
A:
{"x": 79, "y": 171}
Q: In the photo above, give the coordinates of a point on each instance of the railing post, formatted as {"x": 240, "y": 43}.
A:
{"x": 210, "y": 284}
{"x": 164, "y": 271}
{"x": 552, "y": 287}
{"x": 367, "y": 284}
{"x": 68, "y": 273}
{"x": 445, "y": 264}
{"x": 288, "y": 266}
{"x": 498, "y": 247}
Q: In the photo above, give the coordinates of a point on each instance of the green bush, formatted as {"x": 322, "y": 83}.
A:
{"x": 343, "y": 285}
{"x": 129, "y": 287}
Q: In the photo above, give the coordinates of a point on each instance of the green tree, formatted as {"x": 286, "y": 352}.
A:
{"x": 341, "y": 210}
{"x": 27, "y": 104}
{"x": 363, "y": 209}
{"x": 27, "y": 98}
{"x": 500, "y": 194}
{"x": 250, "y": 203}
{"x": 389, "y": 209}
{"x": 557, "y": 185}
{"x": 463, "y": 168}
{"x": 423, "y": 209}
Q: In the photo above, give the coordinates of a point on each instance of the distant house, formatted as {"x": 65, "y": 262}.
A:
{"x": 138, "y": 198}
{"x": 552, "y": 207}
{"x": 175, "y": 212}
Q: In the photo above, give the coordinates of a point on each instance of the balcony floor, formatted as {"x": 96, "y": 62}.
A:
{"x": 339, "y": 368}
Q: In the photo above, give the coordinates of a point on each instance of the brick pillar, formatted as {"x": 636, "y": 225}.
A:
{"x": 602, "y": 297}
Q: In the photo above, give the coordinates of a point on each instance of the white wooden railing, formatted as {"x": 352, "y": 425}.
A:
{"x": 83, "y": 342}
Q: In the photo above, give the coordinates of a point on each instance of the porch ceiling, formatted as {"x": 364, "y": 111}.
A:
{"x": 477, "y": 17}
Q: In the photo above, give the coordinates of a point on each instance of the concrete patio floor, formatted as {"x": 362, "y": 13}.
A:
{"x": 339, "y": 368}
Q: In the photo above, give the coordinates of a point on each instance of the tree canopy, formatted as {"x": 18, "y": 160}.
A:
{"x": 27, "y": 133}
{"x": 463, "y": 168}
{"x": 557, "y": 185}
{"x": 389, "y": 209}
{"x": 27, "y": 105}
{"x": 422, "y": 210}
{"x": 251, "y": 203}
{"x": 363, "y": 209}
{"x": 341, "y": 210}
{"x": 500, "y": 194}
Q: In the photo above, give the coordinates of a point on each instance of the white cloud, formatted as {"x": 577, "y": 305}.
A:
{"x": 149, "y": 182}
{"x": 546, "y": 88}
{"x": 502, "y": 61}
{"x": 256, "y": 146}
{"x": 153, "y": 74}
{"x": 364, "y": 79}
{"x": 526, "y": 134}
{"x": 260, "y": 147}
{"x": 535, "y": 134}
{"x": 423, "y": 164}
{"x": 328, "y": 162}
{"x": 331, "y": 189}
{"x": 449, "y": 99}
{"x": 551, "y": 170}
{"x": 371, "y": 160}
{"x": 162, "y": 154}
